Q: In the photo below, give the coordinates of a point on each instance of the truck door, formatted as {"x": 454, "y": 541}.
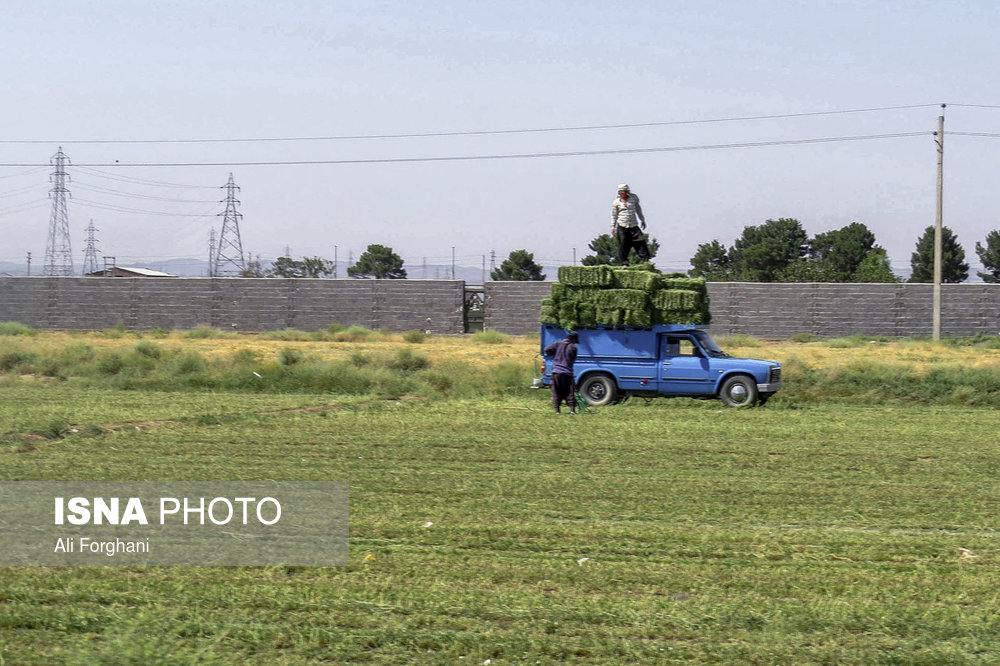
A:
{"x": 684, "y": 369}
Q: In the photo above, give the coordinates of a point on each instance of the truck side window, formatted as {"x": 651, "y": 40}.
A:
{"x": 679, "y": 346}
{"x": 671, "y": 347}
{"x": 688, "y": 348}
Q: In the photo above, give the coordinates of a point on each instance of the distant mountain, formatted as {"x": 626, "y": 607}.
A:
{"x": 8, "y": 268}
{"x": 180, "y": 267}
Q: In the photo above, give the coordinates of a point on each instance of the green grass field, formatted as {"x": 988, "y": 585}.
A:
{"x": 830, "y": 527}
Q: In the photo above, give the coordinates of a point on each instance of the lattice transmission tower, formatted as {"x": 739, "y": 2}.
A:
{"x": 90, "y": 252}
{"x": 58, "y": 255}
{"x": 229, "y": 259}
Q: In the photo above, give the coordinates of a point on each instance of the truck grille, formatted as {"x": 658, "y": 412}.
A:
{"x": 775, "y": 376}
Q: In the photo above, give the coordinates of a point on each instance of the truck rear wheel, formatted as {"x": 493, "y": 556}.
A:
{"x": 599, "y": 390}
{"x": 739, "y": 391}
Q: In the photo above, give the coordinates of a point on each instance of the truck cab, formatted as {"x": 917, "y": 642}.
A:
{"x": 660, "y": 360}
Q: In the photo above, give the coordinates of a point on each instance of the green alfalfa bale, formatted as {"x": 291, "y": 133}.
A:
{"x": 676, "y": 299}
{"x": 586, "y": 276}
{"x": 568, "y": 315}
{"x": 678, "y": 281}
{"x": 676, "y": 316}
{"x": 559, "y": 291}
{"x": 549, "y": 312}
{"x": 701, "y": 316}
{"x": 637, "y": 279}
{"x": 610, "y": 316}
{"x": 581, "y": 294}
{"x": 638, "y": 318}
{"x": 587, "y": 315}
{"x": 624, "y": 299}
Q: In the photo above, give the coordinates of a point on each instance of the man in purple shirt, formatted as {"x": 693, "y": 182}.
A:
{"x": 563, "y": 355}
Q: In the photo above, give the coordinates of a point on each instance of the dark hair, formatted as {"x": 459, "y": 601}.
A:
{"x": 572, "y": 336}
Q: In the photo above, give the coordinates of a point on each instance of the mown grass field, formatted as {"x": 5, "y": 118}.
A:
{"x": 851, "y": 521}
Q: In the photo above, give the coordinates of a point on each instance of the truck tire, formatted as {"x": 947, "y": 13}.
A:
{"x": 599, "y": 390}
{"x": 739, "y": 391}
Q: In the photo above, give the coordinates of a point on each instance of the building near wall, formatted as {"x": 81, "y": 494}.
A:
{"x": 126, "y": 271}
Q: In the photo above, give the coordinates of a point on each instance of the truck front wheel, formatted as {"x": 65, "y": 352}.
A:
{"x": 739, "y": 391}
{"x": 599, "y": 390}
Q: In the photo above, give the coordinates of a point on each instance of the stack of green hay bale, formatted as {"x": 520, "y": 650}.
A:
{"x": 590, "y": 296}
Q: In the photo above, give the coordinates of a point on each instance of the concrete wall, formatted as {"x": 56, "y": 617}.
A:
{"x": 778, "y": 311}
{"x": 834, "y": 310}
{"x": 231, "y": 303}
{"x": 762, "y": 310}
{"x": 513, "y": 307}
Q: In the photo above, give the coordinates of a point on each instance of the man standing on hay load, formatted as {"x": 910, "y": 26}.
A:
{"x": 563, "y": 353}
{"x": 626, "y": 215}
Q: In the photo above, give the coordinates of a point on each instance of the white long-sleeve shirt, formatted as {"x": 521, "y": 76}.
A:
{"x": 625, "y": 213}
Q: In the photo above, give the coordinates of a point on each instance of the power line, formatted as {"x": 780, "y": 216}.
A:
{"x": 139, "y": 181}
{"x": 25, "y": 173}
{"x": 416, "y": 135}
{"x": 117, "y": 193}
{"x": 977, "y": 106}
{"x": 24, "y": 208}
{"x": 985, "y": 134}
{"x": 122, "y": 209}
{"x": 576, "y": 153}
{"x": 20, "y": 190}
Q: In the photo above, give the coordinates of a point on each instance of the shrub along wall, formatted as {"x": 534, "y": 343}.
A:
{"x": 231, "y": 303}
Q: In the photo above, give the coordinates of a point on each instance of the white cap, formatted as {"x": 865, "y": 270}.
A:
{"x": 624, "y": 186}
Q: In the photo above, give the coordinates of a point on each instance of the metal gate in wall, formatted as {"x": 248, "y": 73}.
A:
{"x": 475, "y": 308}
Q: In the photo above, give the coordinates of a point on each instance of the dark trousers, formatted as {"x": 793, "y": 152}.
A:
{"x": 563, "y": 388}
{"x": 628, "y": 238}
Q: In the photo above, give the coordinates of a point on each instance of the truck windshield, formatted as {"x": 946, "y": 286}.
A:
{"x": 709, "y": 345}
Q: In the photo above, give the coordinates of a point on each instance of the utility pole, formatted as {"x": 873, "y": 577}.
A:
{"x": 90, "y": 252}
{"x": 211, "y": 253}
{"x": 334, "y": 262}
{"x": 29, "y": 264}
{"x": 484, "y": 269}
{"x": 58, "y": 255}
{"x": 938, "y": 225}
{"x": 452, "y": 262}
{"x": 229, "y": 260}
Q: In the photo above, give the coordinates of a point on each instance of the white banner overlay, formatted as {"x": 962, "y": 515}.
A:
{"x": 183, "y": 523}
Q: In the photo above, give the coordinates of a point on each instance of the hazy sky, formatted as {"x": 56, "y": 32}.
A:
{"x": 120, "y": 83}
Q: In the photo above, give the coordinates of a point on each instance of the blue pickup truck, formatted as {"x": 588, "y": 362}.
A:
{"x": 661, "y": 360}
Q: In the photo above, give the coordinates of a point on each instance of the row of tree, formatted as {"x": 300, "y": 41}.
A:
{"x": 776, "y": 251}
{"x": 377, "y": 261}
{"x": 781, "y": 251}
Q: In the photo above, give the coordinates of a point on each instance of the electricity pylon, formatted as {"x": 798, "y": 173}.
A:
{"x": 229, "y": 261}
{"x": 58, "y": 255}
{"x": 90, "y": 252}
